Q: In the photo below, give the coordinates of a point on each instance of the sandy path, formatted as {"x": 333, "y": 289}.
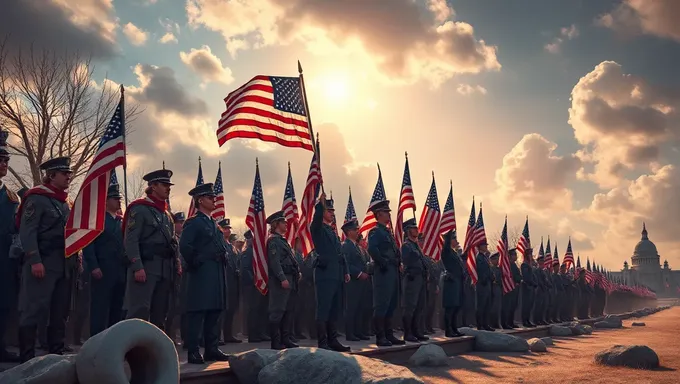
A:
{"x": 571, "y": 360}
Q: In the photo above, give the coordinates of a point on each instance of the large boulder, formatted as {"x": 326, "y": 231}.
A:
{"x": 486, "y": 341}
{"x": 312, "y": 365}
{"x": 634, "y": 356}
{"x": 151, "y": 356}
{"x": 537, "y": 345}
{"x": 429, "y": 355}
{"x": 609, "y": 322}
{"x": 48, "y": 369}
{"x": 547, "y": 340}
{"x": 247, "y": 365}
{"x": 560, "y": 331}
{"x": 587, "y": 329}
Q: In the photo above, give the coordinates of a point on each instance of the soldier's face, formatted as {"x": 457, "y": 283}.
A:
{"x": 62, "y": 180}
{"x": 353, "y": 234}
{"x": 207, "y": 202}
{"x": 282, "y": 226}
{"x": 328, "y": 215}
{"x": 4, "y": 165}
{"x": 483, "y": 248}
{"x": 494, "y": 262}
{"x": 454, "y": 242}
{"x": 161, "y": 190}
{"x": 112, "y": 204}
{"x": 178, "y": 227}
{"x": 382, "y": 217}
{"x": 412, "y": 232}
{"x": 226, "y": 232}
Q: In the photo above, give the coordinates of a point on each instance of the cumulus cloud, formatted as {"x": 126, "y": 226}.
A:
{"x": 136, "y": 36}
{"x": 534, "y": 178}
{"x": 579, "y": 240}
{"x": 657, "y": 17}
{"x": 467, "y": 89}
{"x": 167, "y": 38}
{"x": 566, "y": 33}
{"x": 621, "y": 120}
{"x": 206, "y": 65}
{"x": 86, "y": 26}
{"x": 404, "y": 40}
{"x": 171, "y": 29}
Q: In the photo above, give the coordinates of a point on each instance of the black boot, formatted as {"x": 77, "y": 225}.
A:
{"x": 333, "y": 338}
{"x": 380, "y": 339}
{"x": 27, "y": 336}
{"x": 415, "y": 330}
{"x": 322, "y": 335}
{"x": 480, "y": 324}
{"x": 55, "y": 341}
{"x": 194, "y": 357}
{"x": 389, "y": 333}
{"x": 215, "y": 355}
{"x": 454, "y": 324}
{"x": 275, "y": 332}
{"x": 408, "y": 335}
{"x": 448, "y": 314}
{"x": 286, "y": 328}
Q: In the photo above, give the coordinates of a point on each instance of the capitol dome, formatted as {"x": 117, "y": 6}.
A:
{"x": 645, "y": 252}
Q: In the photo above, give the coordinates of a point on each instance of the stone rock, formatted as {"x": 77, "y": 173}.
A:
{"x": 247, "y": 365}
{"x": 486, "y": 341}
{"x": 547, "y": 341}
{"x": 537, "y": 345}
{"x": 558, "y": 330}
{"x": 48, "y": 369}
{"x": 588, "y": 329}
{"x": 151, "y": 355}
{"x": 638, "y": 324}
{"x": 312, "y": 365}
{"x": 609, "y": 322}
{"x": 429, "y": 355}
{"x": 634, "y": 356}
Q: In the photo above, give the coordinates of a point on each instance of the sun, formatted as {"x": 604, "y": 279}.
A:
{"x": 336, "y": 89}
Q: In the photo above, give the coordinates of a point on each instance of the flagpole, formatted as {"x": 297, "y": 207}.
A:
{"x": 409, "y": 171}
{"x": 122, "y": 116}
{"x": 306, "y": 105}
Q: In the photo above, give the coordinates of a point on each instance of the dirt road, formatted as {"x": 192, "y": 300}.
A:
{"x": 571, "y": 360}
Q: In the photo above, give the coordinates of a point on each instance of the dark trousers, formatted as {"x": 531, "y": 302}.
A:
{"x": 484, "y": 301}
{"x": 329, "y": 300}
{"x": 431, "y": 308}
{"x": 357, "y": 294}
{"x": 256, "y": 312}
{"x": 527, "y": 302}
{"x": 4, "y": 317}
{"x": 205, "y": 322}
{"x": 80, "y": 316}
{"x": 106, "y": 303}
{"x": 149, "y": 300}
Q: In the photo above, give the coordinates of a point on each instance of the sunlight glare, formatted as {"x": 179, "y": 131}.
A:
{"x": 336, "y": 89}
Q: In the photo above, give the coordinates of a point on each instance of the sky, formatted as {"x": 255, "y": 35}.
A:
{"x": 563, "y": 111}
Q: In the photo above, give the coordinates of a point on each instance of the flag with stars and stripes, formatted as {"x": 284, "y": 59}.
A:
{"x": 268, "y": 108}
{"x": 447, "y": 222}
{"x": 590, "y": 277}
{"x": 578, "y": 263}
{"x": 256, "y": 221}
{"x": 524, "y": 241}
{"x": 508, "y": 282}
{"x": 114, "y": 179}
{"x": 569, "y": 255}
{"x": 471, "y": 261}
{"x": 290, "y": 210}
{"x": 86, "y": 219}
{"x": 350, "y": 213}
{"x": 378, "y": 196}
{"x": 406, "y": 201}
{"x": 199, "y": 181}
{"x": 478, "y": 237}
{"x": 309, "y": 197}
{"x": 220, "y": 211}
{"x": 429, "y": 222}
{"x": 547, "y": 261}
{"x": 556, "y": 257}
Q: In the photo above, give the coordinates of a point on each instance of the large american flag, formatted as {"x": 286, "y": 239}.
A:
{"x": 199, "y": 181}
{"x": 471, "y": 262}
{"x": 590, "y": 277}
{"x": 309, "y": 196}
{"x": 504, "y": 260}
{"x": 556, "y": 257}
{"x": 268, "y": 108}
{"x": 220, "y": 211}
{"x": 378, "y": 196}
{"x": 524, "y": 241}
{"x": 478, "y": 237}
{"x": 256, "y": 220}
{"x": 350, "y": 213}
{"x": 578, "y": 263}
{"x": 406, "y": 201}
{"x": 569, "y": 256}
{"x": 447, "y": 222}
{"x": 541, "y": 254}
{"x": 547, "y": 262}
{"x": 429, "y": 222}
{"x": 86, "y": 219}
{"x": 290, "y": 210}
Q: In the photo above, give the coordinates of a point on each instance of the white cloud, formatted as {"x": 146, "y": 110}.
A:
{"x": 208, "y": 66}
{"x": 652, "y": 17}
{"x": 467, "y": 89}
{"x": 136, "y": 36}
{"x": 169, "y": 37}
{"x": 566, "y": 33}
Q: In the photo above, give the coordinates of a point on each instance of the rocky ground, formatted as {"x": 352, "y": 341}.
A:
{"x": 570, "y": 360}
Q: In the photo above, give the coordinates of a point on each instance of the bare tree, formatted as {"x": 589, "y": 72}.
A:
{"x": 514, "y": 234}
{"x": 49, "y": 101}
{"x": 136, "y": 184}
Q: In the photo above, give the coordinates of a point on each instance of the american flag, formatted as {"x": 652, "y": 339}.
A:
{"x": 524, "y": 241}
{"x": 447, "y": 222}
{"x": 334, "y": 224}
{"x": 114, "y": 179}
{"x": 220, "y": 211}
{"x": 309, "y": 196}
{"x": 556, "y": 257}
{"x": 547, "y": 262}
{"x": 471, "y": 261}
{"x": 478, "y": 237}
{"x": 569, "y": 255}
{"x": 199, "y": 181}
{"x": 86, "y": 219}
{"x": 541, "y": 253}
{"x": 429, "y": 222}
{"x": 590, "y": 278}
{"x": 268, "y": 108}
{"x": 578, "y": 263}
{"x": 256, "y": 220}
{"x": 406, "y": 201}
{"x": 378, "y": 196}
{"x": 350, "y": 213}
{"x": 290, "y": 210}
{"x": 504, "y": 260}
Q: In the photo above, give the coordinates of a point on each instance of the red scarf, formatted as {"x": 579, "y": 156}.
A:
{"x": 149, "y": 201}
{"x": 43, "y": 190}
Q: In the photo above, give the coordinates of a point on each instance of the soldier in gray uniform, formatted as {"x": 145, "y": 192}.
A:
{"x": 176, "y": 310}
{"x": 357, "y": 288}
{"x": 497, "y": 292}
{"x": 558, "y": 291}
{"x": 47, "y": 275}
{"x": 367, "y": 310}
{"x": 414, "y": 282}
{"x": 256, "y": 303}
{"x": 453, "y": 280}
{"x": 529, "y": 287}
{"x": 541, "y": 289}
{"x": 233, "y": 271}
{"x": 151, "y": 249}
{"x": 511, "y": 299}
{"x": 204, "y": 250}
{"x": 284, "y": 275}
{"x": 485, "y": 278}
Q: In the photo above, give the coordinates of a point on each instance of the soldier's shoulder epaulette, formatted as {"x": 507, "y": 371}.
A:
{"x": 12, "y": 196}
{"x": 189, "y": 220}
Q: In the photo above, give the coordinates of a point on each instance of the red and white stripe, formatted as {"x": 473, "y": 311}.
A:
{"x": 406, "y": 201}
{"x": 290, "y": 210}
{"x": 309, "y": 197}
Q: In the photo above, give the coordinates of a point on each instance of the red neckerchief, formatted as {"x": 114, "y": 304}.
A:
{"x": 43, "y": 190}
{"x": 149, "y": 201}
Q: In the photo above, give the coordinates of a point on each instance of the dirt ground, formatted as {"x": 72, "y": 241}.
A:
{"x": 570, "y": 360}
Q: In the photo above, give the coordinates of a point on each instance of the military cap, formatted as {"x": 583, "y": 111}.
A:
{"x": 381, "y": 206}
{"x": 225, "y": 223}
{"x": 159, "y": 176}
{"x": 330, "y": 205}
{"x": 3, "y": 143}
{"x": 350, "y": 225}
{"x": 62, "y": 164}
{"x": 410, "y": 223}
{"x": 114, "y": 192}
{"x": 276, "y": 216}
{"x": 248, "y": 235}
{"x": 494, "y": 255}
{"x": 202, "y": 190}
{"x": 179, "y": 216}
{"x": 22, "y": 192}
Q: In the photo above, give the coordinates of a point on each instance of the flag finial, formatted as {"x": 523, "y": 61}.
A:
{"x": 299, "y": 67}
{"x": 257, "y": 162}
{"x": 163, "y": 164}
{"x": 406, "y": 155}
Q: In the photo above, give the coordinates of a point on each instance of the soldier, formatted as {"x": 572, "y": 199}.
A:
{"x": 283, "y": 283}
{"x": 204, "y": 250}
{"x": 497, "y": 292}
{"x": 414, "y": 282}
{"x": 151, "y": 249}
{"x": 529, "y": 287}
{"x": 541, "y": 289}
{"x": 176, "y": 309}
{"x": 307, "y": 294}
{"x": 453, "y": 280}
{"x": 256, "y": 302}
{"x": 233, "y": 266}
{"x": 470, "y": 294}
{"x": 484, "y": 288}
{"x": 105, "y": 262}
{"x": 558, "y": 291}
{"x": 566, "y": 312}
{"x": 47, "y": 275}
{"x": 549, "y": 294}
{"x": 386, "y": 259}
{"x": 511, "y": 299}
{"x": 330, "y": 275}
{"x": 298, "y": 315}
{"x": 366, "y": 311}
{"x": 357, "y": 289}
{"x": 585, "y": 290}
{"x": 9, "y": 263}
{"x": 434, "y": 274}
